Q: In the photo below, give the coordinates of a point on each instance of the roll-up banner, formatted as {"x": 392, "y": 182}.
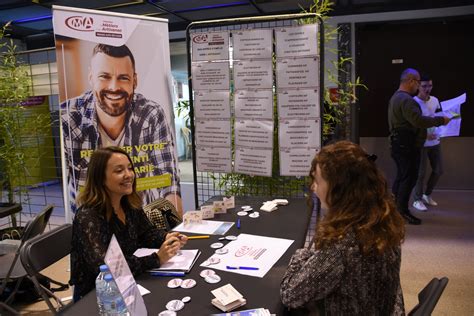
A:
{"x": 115, "y": 90}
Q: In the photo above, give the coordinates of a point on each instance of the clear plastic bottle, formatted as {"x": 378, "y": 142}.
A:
{"x": 100, "y": 287}
{"x": 112, "y": 300}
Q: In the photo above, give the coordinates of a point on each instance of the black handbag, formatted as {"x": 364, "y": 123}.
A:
{"x": 162, "y": 214}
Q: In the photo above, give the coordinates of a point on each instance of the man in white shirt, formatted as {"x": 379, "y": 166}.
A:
{"x": 431, "y": 150}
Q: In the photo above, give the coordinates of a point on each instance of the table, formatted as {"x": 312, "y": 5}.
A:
{"x": 11, "y": 209}
{"x": 289, "y": 222}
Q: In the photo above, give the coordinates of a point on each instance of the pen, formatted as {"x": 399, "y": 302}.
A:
{"x": 198, "y": 237}
{"x": 238, "y": 223}
{"x": 163, "y": 273}
{"x": 241, "y": 268}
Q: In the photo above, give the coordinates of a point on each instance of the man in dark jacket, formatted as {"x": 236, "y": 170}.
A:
{"x": 407, "y": 135}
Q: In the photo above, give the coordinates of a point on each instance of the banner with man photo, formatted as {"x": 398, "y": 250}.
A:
{"x": 114, "y": 89}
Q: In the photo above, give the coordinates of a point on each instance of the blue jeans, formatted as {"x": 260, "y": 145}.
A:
{"x": 433, "y": 155}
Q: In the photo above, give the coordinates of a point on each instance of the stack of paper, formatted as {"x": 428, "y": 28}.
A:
{"x": 182, "y": 262}
{"x": 227, "y": 298}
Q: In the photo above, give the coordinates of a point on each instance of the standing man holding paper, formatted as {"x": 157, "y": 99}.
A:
{"x": 431, "y": 150}
{"x": 407, "y": 135}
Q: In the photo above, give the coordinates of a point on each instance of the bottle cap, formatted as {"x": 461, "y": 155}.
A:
{"x": 108, "y": 277}
{"x": 103, "y": 268}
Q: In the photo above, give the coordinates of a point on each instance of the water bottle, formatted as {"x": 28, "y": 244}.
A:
{"x": 100, "y": 287}
{"x": 112, "y": 300}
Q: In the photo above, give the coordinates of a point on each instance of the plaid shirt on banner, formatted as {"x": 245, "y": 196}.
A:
{"x": 145, "y": 124}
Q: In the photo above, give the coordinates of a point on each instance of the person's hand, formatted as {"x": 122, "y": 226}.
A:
{"x": 168, "y": 249}
{"x": 183, "y": 239}
{"x": 446, "y": 120}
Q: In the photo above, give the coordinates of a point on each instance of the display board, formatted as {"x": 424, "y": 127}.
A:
{"x": 255, "y": 93}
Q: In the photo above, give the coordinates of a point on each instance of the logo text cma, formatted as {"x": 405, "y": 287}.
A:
{"x": 80, "y": 23}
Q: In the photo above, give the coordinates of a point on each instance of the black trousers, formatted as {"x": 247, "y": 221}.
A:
{"x": 407, "y": 160}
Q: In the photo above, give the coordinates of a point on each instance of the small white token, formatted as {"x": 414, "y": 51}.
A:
{"x": 167, "y": 313}
{"x": 248, "y": 209}
{"x": 206, "y": 272}
{"x": 214, "y": 260}
{"x": 231, "y": 237}
{"x": 174, "y": 283}
{"x": 246, "y": 206}
{"x": 254, "y": 215}
{"x": 242, "y": 213}
{"x": 186, "y": 299}
{"x": 222, "y": 251}
{"x": 217, "y": 245}
{"x": 213, "y": 278}
{"x": 221, "y": 238}
{"x": 175, "y": 305}
{"x": 188, "y": 283}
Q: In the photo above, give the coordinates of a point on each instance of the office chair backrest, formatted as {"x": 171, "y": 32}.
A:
{"x": 43, "y": 250}
{"x": 429, "y": 297}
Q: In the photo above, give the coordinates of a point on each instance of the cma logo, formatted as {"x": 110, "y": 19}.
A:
{"x": 200, "y": 39}
{"x": 80, "y": 23}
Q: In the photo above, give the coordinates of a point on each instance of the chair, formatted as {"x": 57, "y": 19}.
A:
{"x": 188, "y": 146}
{"x": 10, "y": 266}
{"x": 428, "y": 297}
{"x": 42, "y": 251}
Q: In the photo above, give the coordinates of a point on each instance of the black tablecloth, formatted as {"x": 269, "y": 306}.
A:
{"x": 289, "y": 222}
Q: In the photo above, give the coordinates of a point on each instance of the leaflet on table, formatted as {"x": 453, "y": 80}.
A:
{"x": 209, "y": 46}
{"x": 213, "y": 133}
{"x": 247, "y": 312}
{"x": 452, "y": 109}
{"x": 205, "y": 228}
{"x": 252, "y": 251}
{"x": 254, "y": 161}
{"x": 126, "y": 284}
{"x": 254, "y": 133}
{"x": 297, "y": 73}
{"x": 300, "y": 133}
{"x": 251, "y": 44}
{"x": 183, "y": 261}
{"x": 212, "y": 104}
{"x": 302, "y": 103}
{"x": 253, "y": 104}
{"x": 296, "y": 161}
{"x": 253, "y": 74}
{"x": 214, "y": 159}
{"x": 297, "y": 41}
{"x": 211, "y": 76}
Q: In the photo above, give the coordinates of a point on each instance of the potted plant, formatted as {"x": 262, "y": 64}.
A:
{"x": 15, "y": 86}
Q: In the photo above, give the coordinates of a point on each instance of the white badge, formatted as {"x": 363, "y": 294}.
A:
{"x": 186, "y": 299}
{"x": 175, "y": 305}
{"x": 222, "y": 251}
{"x": 217, "y": 245}
{"x": 204, "y": 273}
{"x": 242, "y": 213}
{"x": 188, "y": 283}
{"x": 174, "y": 283}
{"x": 213, "y": 278}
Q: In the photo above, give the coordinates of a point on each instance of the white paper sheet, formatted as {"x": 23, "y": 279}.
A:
{"x": 211, "y": 76}
{"x": 253, "y": 251}
{"x": 123, "y": 276}
{"x": 450, "y": 108}
{"x": 205, "y": 228}
{"x": 250, "y": 44}
{"x": 253, "y": 74}
{"x": 214, "y": 159}
{"x": 256, "y": 134}
{"x": 254, "y": 104}
{"x": 210, "y": 45}
{"x": 297, "y": 41}
{"x": 297, "y": 73}
{"x": 213, "y": 133}
{"x": 300, "y": 133}
{"x": 254, "y": 162}
{"x": 181, "y": 262}
{"x": 302, "y": 103}
{"x": 212, "y": 104}
{"x": 296, "y": 161}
